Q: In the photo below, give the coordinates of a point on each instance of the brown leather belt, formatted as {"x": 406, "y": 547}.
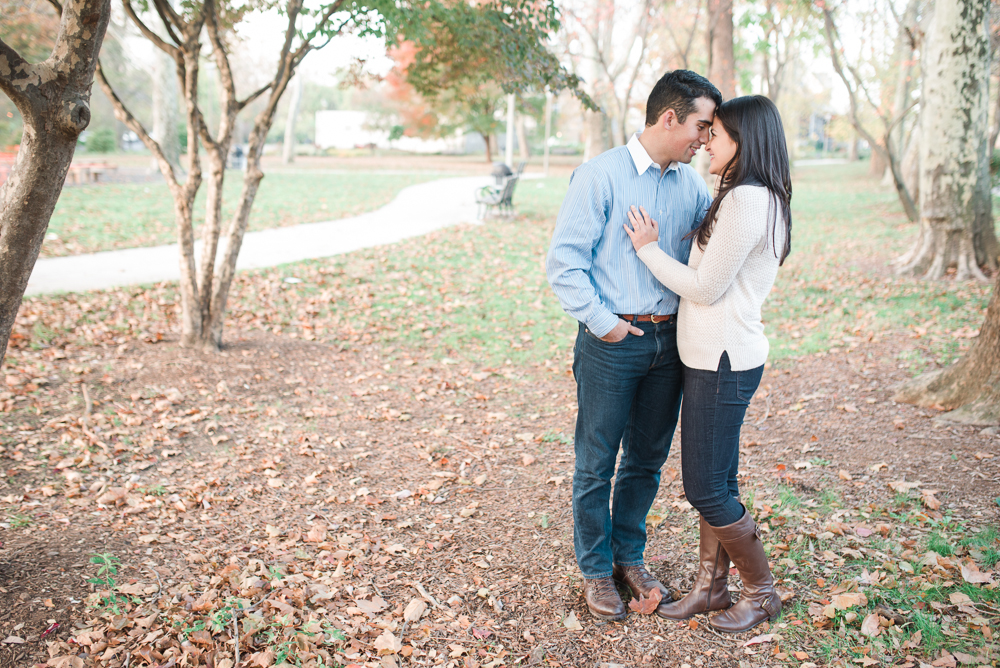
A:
{"x": 648, "y": 318}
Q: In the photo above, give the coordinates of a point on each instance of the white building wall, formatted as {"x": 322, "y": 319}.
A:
{"x": 346, "y": 129}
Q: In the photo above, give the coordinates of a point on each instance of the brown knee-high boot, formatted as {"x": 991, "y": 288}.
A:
{"x": 759, "y": 601}
{"x": 711, "y": 585}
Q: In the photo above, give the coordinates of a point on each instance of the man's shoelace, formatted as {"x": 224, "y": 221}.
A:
{"x": 605, "y": 587}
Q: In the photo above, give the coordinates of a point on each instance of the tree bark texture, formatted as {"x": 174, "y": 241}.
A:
{"x": 969, "y": 390}
{"x": 956, "y": 226}
{"x": 164, "y": 130}
{"x": 523, "y": 150}
{"x": 288, "y": 148}
{"x": 911, "y": 164}
{"x": 53, "y": 98}
{"x": 719, "y": 47}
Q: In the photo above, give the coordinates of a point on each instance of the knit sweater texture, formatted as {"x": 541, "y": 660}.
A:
{"x": 723, "y": 286}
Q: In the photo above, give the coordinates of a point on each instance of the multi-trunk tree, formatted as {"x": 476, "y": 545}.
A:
{"x": 513, "y": 29}
{"x": 955, "y": 92}
{"x": 53, "y": 98}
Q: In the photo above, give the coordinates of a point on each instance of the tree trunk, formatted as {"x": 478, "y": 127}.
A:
{"x": 956, "y": 227}
{"x": 548, "y": 132}
{"x": 165, "y": 108}
{"x": 593, "y": 121}
{"x": 238, "y": 226}
{"x": 53, "y": 98}
{"x": 593, "y": 133}
{"x": 489, "y": 148}
{"x": 905, "y": 46}
{"x": 969, "y": 389}
{"x": 719, "y": 47}
{"x": 522, "y": 138}
{"x": 911, "y": 164}
{"x": 204, "y": 293}
{"x": 852, "y": 148}
{"x": 878, "y": 164}
{"x": 508, "y": 153}
{"x": 288, "y": 150}
{"x": 995, "y": 128}
{"x": 191, "y": 322}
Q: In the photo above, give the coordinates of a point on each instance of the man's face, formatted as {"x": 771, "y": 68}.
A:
{"x": 684, "y": 139}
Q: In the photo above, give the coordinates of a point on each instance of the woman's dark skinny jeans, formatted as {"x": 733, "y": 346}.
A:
{"x": 715, "y": 403}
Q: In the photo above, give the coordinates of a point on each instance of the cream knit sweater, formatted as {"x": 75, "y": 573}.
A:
{"x": 723, "y": 287}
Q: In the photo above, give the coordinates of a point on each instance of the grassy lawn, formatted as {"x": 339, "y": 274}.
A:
{"x": 481, "y": 292}
{"x": 97, "y": 218}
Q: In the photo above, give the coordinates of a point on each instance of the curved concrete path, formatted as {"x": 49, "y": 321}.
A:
{"x": 417, "y": 210}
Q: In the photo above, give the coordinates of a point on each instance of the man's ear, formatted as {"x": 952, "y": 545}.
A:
{"x": 668, "y": 119}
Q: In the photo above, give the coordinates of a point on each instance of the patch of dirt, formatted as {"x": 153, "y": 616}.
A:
{"x": 378, "y": 476}
{"x": 43, "y": 584}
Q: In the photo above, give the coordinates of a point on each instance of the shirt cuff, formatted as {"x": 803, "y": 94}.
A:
{"x": 602, "y": 324}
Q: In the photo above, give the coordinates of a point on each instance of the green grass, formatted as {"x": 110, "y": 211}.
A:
{"x": 938, "y": 543}
{"x": 836, "y": 287}
{"x": 480, "y": 294}
{"x": 97, "y": 218}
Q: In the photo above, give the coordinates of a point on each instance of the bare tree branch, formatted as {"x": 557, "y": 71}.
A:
{"x": 12, "y": 63}
{"x": 133, "y": 124}
{"x": 57, "y": 5}
{"x": 169, "y": 49}
{"x": 170, "y": 18}
{"x": 253, "y": 96}
{"x": 886, "y": 149}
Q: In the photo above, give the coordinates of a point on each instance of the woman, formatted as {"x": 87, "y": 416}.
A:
{"x": 738, "y": 248}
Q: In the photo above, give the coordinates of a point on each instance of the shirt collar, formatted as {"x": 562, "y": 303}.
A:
{"x": 641, "y": 158}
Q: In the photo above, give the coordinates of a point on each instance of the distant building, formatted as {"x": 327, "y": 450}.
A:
{"x": 355, "y": 129}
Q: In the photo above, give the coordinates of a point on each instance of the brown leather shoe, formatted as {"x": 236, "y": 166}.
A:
{"x": 603, "y": 599}
{"x": 759, "y": 601}
{"x": 711, "y": 584}
{"x": 639, "y": 581}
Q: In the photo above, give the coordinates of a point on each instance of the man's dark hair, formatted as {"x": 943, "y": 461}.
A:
{"x": 678, "y": 90}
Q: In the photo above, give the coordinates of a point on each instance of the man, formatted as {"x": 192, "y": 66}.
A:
{"x": 626, "y": 365}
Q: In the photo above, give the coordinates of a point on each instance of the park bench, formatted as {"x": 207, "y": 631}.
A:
{"x": 500, "y": 197}
{"x": 89, "y": 172}
{"x": 497, "y": 198}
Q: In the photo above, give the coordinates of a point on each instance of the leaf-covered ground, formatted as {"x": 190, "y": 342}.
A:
{"x": 377, "y": 469}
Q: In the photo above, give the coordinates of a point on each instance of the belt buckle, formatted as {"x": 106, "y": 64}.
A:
{"x": 657, "y": 319}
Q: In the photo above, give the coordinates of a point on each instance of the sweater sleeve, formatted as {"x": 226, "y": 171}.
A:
{"x": 737, "y": 231}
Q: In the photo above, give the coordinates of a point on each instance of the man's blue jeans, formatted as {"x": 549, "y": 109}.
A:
{"x": 628, "y": 394}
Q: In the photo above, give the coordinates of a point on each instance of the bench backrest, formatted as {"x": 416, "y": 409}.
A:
{"x": 508, "y": 189}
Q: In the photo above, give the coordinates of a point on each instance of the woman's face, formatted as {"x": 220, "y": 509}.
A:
{"x": 720, "y": 147}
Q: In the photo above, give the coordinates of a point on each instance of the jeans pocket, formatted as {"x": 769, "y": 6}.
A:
{"x": 747, "y": 383}
{"x": 602, "y": 341}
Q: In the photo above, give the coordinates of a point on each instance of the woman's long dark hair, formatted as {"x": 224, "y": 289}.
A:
{"x": 761, "y": 159}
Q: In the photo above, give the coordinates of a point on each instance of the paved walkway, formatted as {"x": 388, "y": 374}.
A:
{"x": 417, "y": 210}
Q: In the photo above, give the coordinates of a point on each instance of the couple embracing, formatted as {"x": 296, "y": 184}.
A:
{"x": 667, "y": 283}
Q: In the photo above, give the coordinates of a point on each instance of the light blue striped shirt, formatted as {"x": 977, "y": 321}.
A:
{"x": 591, "y": 265}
